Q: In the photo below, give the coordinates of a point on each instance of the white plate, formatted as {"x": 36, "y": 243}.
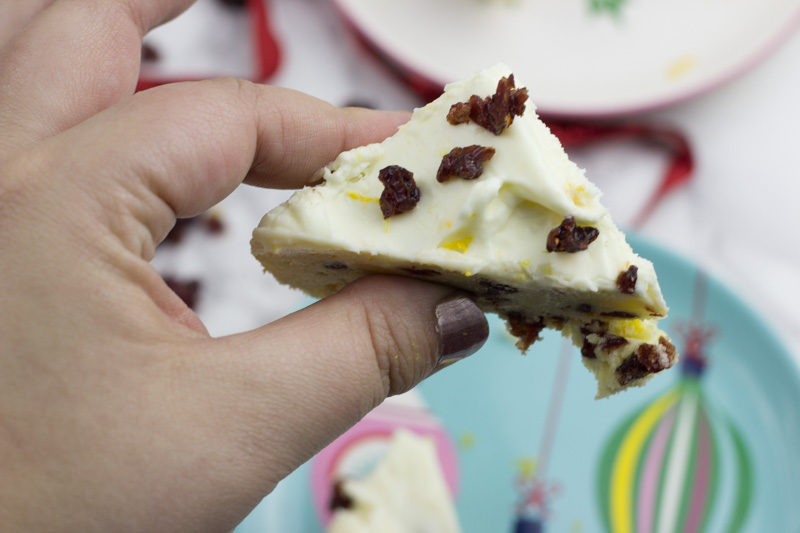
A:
{"x": 578, "y": 58}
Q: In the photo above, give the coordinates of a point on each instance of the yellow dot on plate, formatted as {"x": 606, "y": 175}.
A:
{"x": 681, "y": 66}
{"x": 466, "y": 440}
{"x": 526, "y": 466}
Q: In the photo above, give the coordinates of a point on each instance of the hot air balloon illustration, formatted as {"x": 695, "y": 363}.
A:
{"x": 663, "y": 468}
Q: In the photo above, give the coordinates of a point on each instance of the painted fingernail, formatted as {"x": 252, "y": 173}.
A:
{"x": 462, "y": 330}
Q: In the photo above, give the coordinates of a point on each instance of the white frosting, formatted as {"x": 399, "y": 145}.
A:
{"x": 496, "y": 225}
{"x": 405, "y": 493}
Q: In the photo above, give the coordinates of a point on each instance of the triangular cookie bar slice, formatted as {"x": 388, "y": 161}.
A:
{"x": 475, "y": 192}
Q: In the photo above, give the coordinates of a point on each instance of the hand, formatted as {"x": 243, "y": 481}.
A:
{"x": 117, "y": 410}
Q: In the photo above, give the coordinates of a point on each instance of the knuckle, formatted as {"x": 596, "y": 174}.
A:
{"x": 242, "y": 89}
{"x": 20, "y": 177}
{"x": 382, "y": 343}
{"x": 398, "y": 357}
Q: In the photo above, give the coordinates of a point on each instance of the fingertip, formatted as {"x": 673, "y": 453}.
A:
{"x": 365, "y": 126}
{"x": 462, "y": 328}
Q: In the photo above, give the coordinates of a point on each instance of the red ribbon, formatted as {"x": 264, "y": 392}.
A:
{"x": 678, "y": 171}
{"x": 267, "y": 53}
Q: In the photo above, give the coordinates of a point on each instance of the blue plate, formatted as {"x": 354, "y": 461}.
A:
{"x": 711, "y": 445}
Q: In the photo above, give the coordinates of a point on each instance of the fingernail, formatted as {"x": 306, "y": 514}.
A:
{"x": 462, "y": 330}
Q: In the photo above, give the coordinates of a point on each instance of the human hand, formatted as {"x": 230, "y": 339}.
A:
{"x": 117, "y": 410}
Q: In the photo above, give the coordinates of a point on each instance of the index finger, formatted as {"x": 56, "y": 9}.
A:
{"x": 177, "y": 150}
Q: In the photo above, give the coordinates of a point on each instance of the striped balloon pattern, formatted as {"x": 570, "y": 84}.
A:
{"x": 677, "y": 465}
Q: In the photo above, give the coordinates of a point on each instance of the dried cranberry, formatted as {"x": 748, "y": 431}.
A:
{"x": 150, "y": 53}
{"x": 400, "y": 193}
{"x": 656, "y": 357}
{"x": 214, "y": 224}
{"x": 611, "y": 342}
{"x": 339, "y": 498}
{"x": 619, "y": 314}
{"x": 494, "y": 113}
{"x": 493, "y": 287}
{"x": 459, "y": 113}
{"x": 630, "y": 370}
{"x": 178, "y": 231}
{"x": 626, "y": 281}
{"x": 569, "y": 237}
{"x": 466, "y": 163}
{"x": 186, "y": 290}
{"x": 526, "y": 330}
{"x": 210, "y": 222}
{"x": 587, "y": 350}
{"x": 648, "y": 359}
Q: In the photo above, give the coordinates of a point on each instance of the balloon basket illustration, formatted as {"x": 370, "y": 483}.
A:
{"x": 534, "y": 510}
{"x": 662, "y": 468}
{"x": 678, "y": 464}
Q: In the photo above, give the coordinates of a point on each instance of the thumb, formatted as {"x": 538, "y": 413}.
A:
{"x": 298, "y": 383}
